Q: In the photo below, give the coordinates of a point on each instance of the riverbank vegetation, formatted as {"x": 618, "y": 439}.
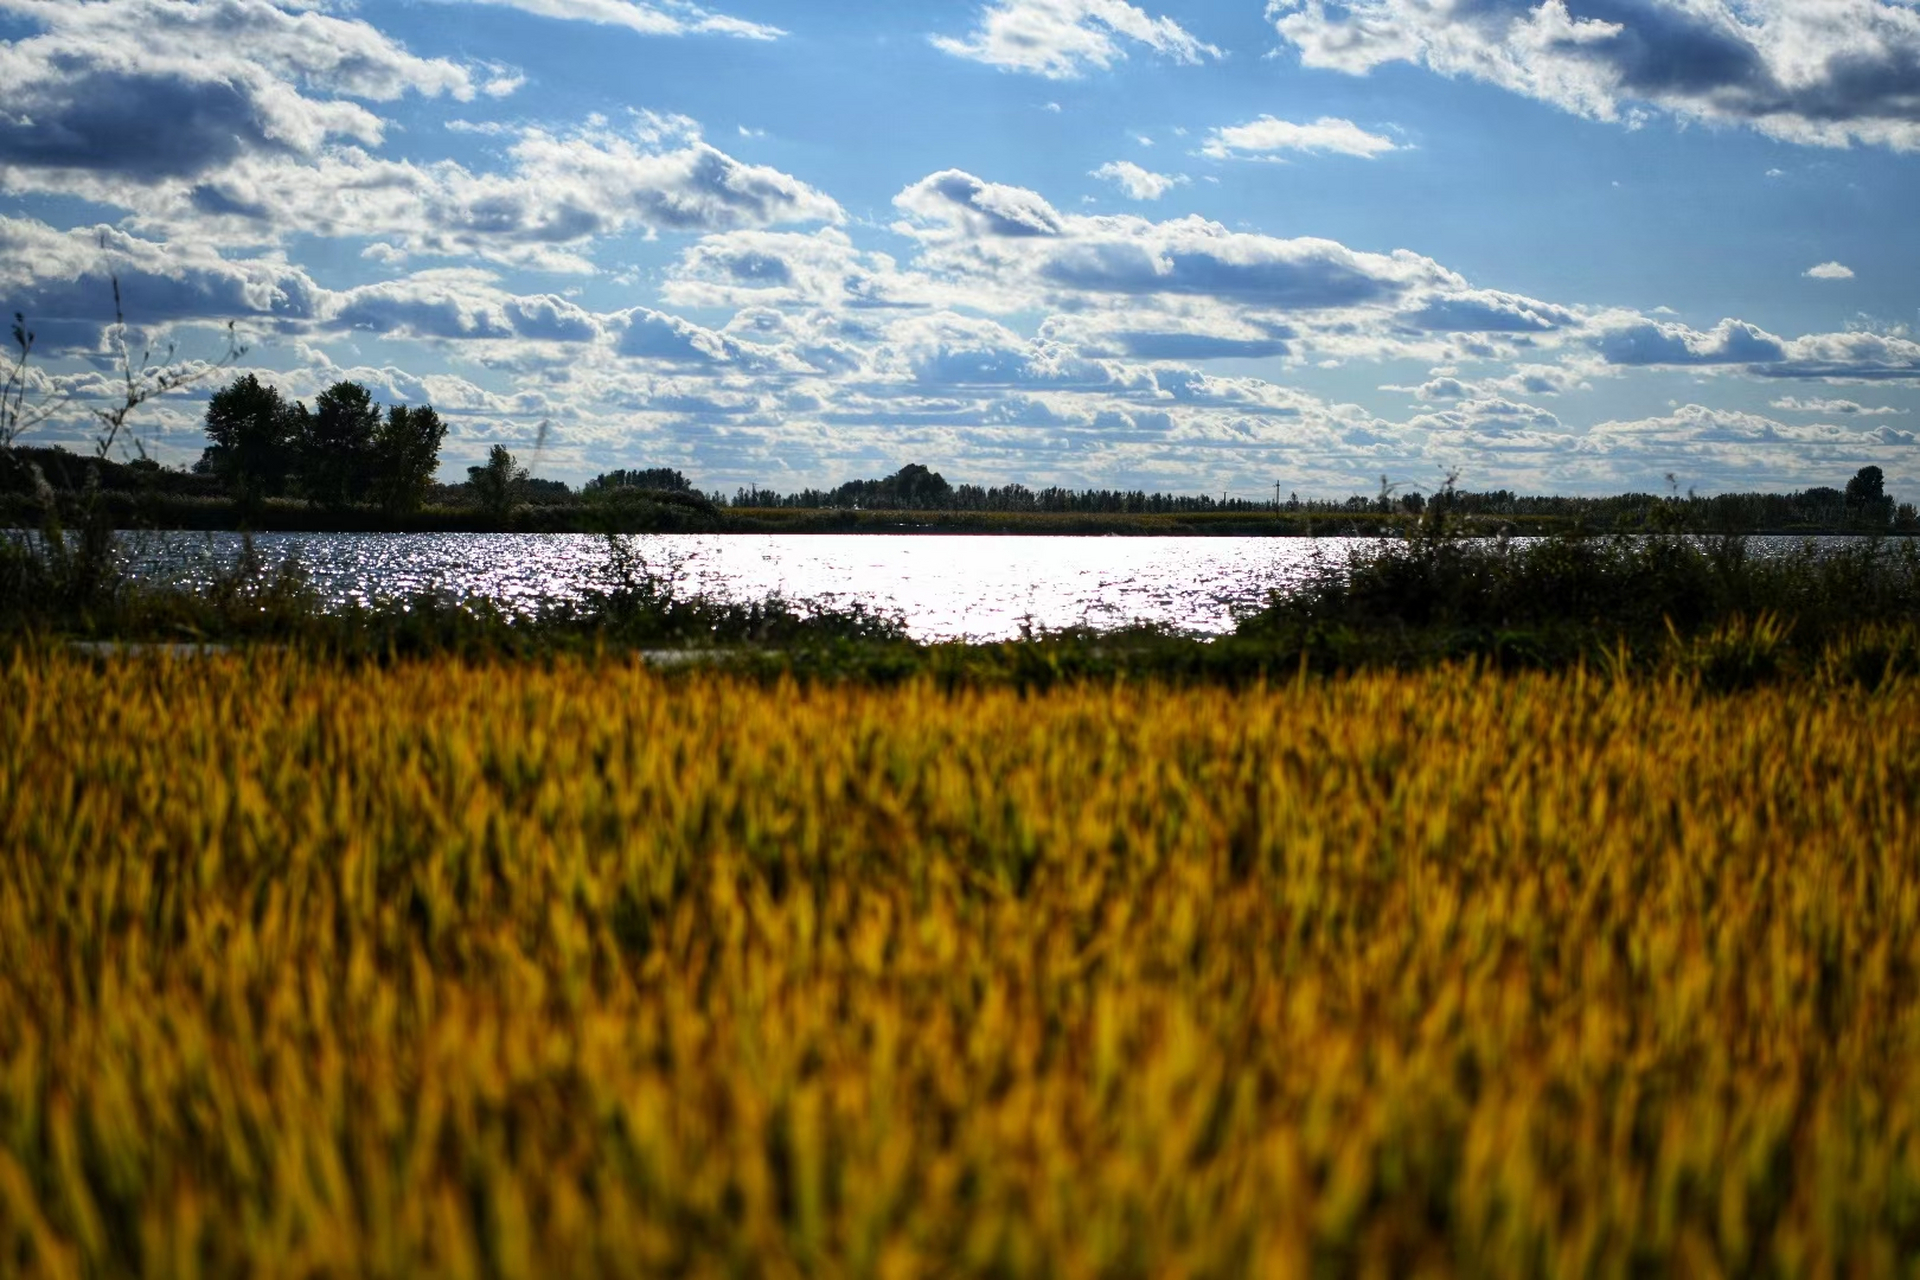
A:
{"x": 1673, "y": 603}
{"x": 373, "y": 472}
{"x": 575, "y": 968}
{"x": 1434, "y": 589}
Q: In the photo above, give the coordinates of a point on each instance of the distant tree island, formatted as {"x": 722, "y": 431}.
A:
{"x": 350, "y": 464}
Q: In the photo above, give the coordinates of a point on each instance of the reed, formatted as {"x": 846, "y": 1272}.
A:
{"x": 568, "y": 968}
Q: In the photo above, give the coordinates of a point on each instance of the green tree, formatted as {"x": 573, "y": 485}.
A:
{"x": 916, "y": 487}
{"x": 660, "y": 479}
{"x": 1867, "y": 500}
{"x": 251, "y": 429}
{"x": 497, "y": 484}
{"x": 336, "y": 443}
{"x": 406, "y": 454}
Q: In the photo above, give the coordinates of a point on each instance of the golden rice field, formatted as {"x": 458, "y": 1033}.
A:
{"x": 575, "y": 969}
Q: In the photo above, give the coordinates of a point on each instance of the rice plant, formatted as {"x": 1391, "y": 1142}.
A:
{"x": 569, "y": 968}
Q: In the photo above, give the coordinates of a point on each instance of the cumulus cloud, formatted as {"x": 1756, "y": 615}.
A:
{"x": 1137, "y": 183}
{"x": 792, "y": 269}
{"x": 61, "y": 281}
{"x": 155, "y": 89}
{"x": 1063, "y": 39}
{"x": 1169, "y": 335}
{"x": 555, "y": 194}
{"x": 1009, "y": 234}
{"x": 980, "y": 208}
{"x": 1830, "y": 73}
{"x": 654, "y": 18}
{"x": 1488, "y": 311}
{"x": 1845, "y": 408}
{"x": 1264, "y": 138}
{"x": 452, "y": 303}
{"x": 1829, "y": 271}
{"x": 1857, "y": 356}
{"x": 1443, "y": 388}
{"x": 1696, "y": 424}
{"x": 1523, "y": 380}
{"x": 1649, "y": 342}
{"x": 1847, "y": 357}
{"x": 246, "y": 121}
{"x": 1492, "y": 416}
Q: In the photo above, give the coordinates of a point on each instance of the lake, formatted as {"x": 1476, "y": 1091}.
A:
{"x": 948, "y": 587}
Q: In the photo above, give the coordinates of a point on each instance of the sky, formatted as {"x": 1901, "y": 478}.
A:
{"x": 1580, "y": 246}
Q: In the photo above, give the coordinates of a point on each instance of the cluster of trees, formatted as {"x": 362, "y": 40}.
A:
{"x": 1863, "y": 503}
{"x": 915, "y": 488}
{"x": 347, "y": 450}
{"x": 650, "y": 480}
{"x": 342, "y": 451}
{"x": 911, "y": 488}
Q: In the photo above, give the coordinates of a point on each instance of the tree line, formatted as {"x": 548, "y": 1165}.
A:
{"x": 1863, "y": 503}
{"x": 347, "y": 450}
{"x": 341, "y": 452}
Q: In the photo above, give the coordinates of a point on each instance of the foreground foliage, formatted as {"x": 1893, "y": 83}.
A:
{"x": 569, "y": 967}
{"x": 1554, "y": 602}
{"x": 1715, "y": 607}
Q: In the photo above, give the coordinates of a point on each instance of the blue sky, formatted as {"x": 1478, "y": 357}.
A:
{"x": 1571, "y": 246}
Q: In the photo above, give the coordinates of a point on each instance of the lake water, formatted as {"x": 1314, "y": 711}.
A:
{"x": 946, "y": 587}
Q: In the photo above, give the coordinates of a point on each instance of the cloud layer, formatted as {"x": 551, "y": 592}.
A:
{"x": 1065, "y": 39}
{"x": 292, "y": 167}
{"x": 1266, "y": 137}
{"x": 1819, "y": 72}
{"x": 648, "y": 17}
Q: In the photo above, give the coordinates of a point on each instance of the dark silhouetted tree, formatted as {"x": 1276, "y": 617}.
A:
{"x": 406, "y": 453}
{"x": 915, "y": 486}
{"x": 336, "y": 442}
{"x": 252, "y": 432}
{"x": 1869, "y": 484}
{"x": 660, "y": 479}
{"x": 497, "y": 483}
{"x": 1867, "y": 501}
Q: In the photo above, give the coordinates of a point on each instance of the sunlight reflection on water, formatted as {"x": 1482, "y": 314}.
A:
{"x": 947, "y": 587}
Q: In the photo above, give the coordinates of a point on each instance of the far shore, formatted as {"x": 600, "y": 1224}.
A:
{"x": 168, "y": 513}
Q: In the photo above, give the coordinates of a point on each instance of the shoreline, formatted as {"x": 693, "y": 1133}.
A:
{"x": 135, "y": 517}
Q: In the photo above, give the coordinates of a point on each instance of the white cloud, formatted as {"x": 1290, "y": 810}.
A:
{"x": 1829, "y": 73}
{"x": 1830, "y": 271}
{"x": 1013, "y": 239}
{"x": 1488, "y": 311}
{"x": 1695, "y": 425}
{"x": 1261, "y": 138}
{"x": 60, "y": 280}
{"x": 1516, "y": 424}
{"x": 1523, "y": 380}
{"x": 244, "y": 121}
{"x": 1635, "y": 340}
{"x": 555, "y": 195}
{"x": 658, "y": 18}
{"x": 1442, "y": 388}
{"x": 1138, "y": 183}
{"x": 1063, "y": 39}
{"x": 1845, "y": 408}
{"x": 790, "y": 269}
{"x": 154, "y": 90}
